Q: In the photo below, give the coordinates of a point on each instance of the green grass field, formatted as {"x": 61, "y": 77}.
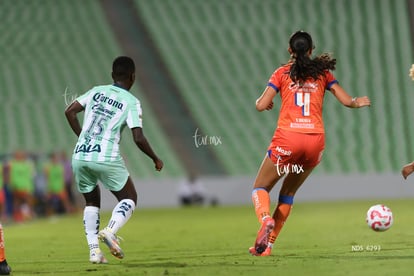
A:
{"x": 318, "y": 239}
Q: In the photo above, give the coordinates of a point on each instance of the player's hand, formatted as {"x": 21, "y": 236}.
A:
{"x": 407, "y": 170}
{"x": 363, "y": 101}
{"x": 158, "y": 164}
{"x": 270, "y": 106}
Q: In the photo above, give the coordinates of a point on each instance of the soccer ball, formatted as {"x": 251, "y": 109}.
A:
{"x": 379, "y": 218}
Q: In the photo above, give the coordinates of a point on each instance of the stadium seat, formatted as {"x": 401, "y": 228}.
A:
{"x": 222, "y": 54}
{"x": 51, "y": 48}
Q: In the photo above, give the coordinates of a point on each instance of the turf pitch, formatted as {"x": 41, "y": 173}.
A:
{"x": 329, "y": 238}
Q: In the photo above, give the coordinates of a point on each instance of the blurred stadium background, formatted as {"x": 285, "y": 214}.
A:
{"x": 200, "y": 66}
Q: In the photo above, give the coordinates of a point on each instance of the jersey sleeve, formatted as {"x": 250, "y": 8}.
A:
{"x": 330, "y": 80}
{"x": 134, "y": 117}
{"x": 83, "y": 99}
{"x": 274, "y": 80}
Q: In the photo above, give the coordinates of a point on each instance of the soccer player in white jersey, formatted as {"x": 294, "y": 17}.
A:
{"x": 108, "y": 109}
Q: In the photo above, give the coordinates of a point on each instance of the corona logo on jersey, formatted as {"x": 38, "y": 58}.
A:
{"x": 100, "y": 97}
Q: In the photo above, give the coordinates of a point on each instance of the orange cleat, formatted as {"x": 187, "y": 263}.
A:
{"x": 267, "y": 252}
{"x": 263, "y": 235}
{"x": 253, "y": 251}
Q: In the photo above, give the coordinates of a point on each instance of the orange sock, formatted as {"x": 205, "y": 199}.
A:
{"x": 280, "y": 216}
{"x": 2, "y": 254}
{"x": 261, "y": 202}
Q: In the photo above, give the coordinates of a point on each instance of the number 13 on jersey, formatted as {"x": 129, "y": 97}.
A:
{"x": 302, "y": 99}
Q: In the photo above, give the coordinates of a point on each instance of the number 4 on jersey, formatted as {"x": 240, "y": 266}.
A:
{"x": 302, "y": 99}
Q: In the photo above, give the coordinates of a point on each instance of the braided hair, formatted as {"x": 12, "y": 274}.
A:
{"x": 303, "y": 67}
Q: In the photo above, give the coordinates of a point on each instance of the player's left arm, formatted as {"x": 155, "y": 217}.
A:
{"x": 71, "y": 115}
{"x": 143, "y": 144}
{"x": 344, "y": 98}
{"x": 265, "y": 101}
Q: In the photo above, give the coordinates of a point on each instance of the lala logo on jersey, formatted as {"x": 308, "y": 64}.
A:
{"x": 88, "y": 148}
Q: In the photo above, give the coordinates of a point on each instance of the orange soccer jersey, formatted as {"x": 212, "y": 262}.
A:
{"x": 301, "y": 109}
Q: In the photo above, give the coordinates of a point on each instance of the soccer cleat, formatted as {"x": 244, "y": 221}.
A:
{"x": 96, "y": 257}
{"x": 112, "y": 241}
{"x": 252, "y": 251}
{"x": 5, "y": 269}
{"x": 263, "y": 235}
{"x": 267, "y": 252}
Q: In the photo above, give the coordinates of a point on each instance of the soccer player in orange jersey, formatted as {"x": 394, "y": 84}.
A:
{"x": 298, "y": 142}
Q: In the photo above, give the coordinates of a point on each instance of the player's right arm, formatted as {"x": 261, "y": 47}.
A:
{"x": 265, "y": 101}
{"x": 71, "y": 115}
{"x": 143, "y": 144}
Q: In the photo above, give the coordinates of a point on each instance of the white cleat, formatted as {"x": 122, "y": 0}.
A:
{"x": 96, "y": 257}
{"x": 112, "y": 241}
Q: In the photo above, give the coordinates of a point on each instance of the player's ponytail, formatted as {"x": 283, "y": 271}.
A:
{"x": 303, "y": 67}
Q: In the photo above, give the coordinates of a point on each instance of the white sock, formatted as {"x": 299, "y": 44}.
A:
{"x": 121, "y": 214}
{"x": 91, "y": 222}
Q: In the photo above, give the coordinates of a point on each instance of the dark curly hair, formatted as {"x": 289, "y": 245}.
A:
{"x": 303, "y": 67}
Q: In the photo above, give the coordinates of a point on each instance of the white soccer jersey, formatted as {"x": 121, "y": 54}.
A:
{"x": 108, "y": 109}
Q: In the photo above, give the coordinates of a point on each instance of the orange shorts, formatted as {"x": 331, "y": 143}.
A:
{"x": 295, "y": 149}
